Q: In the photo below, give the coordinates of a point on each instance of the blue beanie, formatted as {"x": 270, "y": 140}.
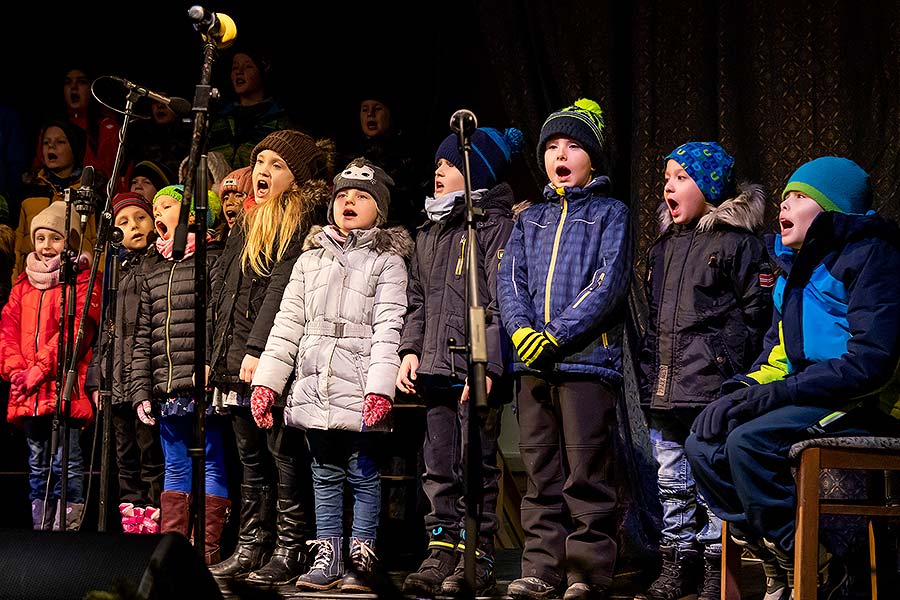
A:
{"x": 836, "y": 184}
{"x": 709, "y": 166}
{"x": 492, "y": 152}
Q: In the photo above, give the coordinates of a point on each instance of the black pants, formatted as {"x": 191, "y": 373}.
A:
{"x": 446, "y": 434}
{"x": 139, "y": 457}
{"x": 566, "y": 431}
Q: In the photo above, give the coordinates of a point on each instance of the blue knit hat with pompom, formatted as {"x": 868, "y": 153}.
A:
{"x": 491, "y": 155}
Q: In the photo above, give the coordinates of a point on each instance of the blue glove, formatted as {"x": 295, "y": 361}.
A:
{"x": 712, "y": 422}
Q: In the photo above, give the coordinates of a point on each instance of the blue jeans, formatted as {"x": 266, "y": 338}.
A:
{"x": 38, "y": 432}
{"x": 339, "y": 456}
{"x": 746, "y": 478}
{"x": 176, "y": 434}
{"x": 678, "y": 493}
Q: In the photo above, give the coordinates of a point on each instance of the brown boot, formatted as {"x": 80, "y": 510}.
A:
{"x": 217, "y": 509}
{"x": 176, "y": 512}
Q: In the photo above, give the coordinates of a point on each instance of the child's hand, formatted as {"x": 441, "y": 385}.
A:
{"x": 375, "y": 408}
{"x": 145, "y": 413}
{"x": 95, "y": 399}
{"x": 248, "y": 368}
{"x": 465, "y": 393}
{"x": 15, "y": 383}
{"x": 406, "y": 377}
{"x": 261, "y": 401}
{"x": 535, "y": 349}
{"x": 31, "y": 379}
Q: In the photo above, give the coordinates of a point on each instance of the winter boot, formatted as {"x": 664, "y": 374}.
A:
{"x": 288, "y": 559}
{"x": 677, "y": 578}
{"x": 586, "y": 591}
{"x": 711, "y": 588}
{"x": 176, "y": 512}
{"x": 532, "y": 588}
{"x": 328, "y": 566}
{"x": 254, "y": 547}
{"x": 217, "y": 510}
{"x": 456, "y": 585}
{"x": 43, "y": 515}
{"x": 360, "y": 567}
{"x": 74, "y": 514}
{"x": 777, "y": 587}
{"x": 436, "y": 567}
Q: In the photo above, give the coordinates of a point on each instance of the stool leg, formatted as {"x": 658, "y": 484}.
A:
{"x": 806, "y": 537}
{"x": 873, "y": 561}
{"x": 731, "y": 566}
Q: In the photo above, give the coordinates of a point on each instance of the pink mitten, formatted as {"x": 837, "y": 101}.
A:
{"x": 145, "y": 413}
{"x": 375, "y": 408}
{"x": 131, "y": 521}
{"x": 261, "y": 401}
{"x": 33, "y": 377}
{"x": 151, "y": 520}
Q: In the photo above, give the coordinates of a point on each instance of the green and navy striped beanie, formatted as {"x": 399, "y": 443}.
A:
{"x": 709, "y": 166}
{"x": 836, "y": 184}
{"x": 582, "y": 122}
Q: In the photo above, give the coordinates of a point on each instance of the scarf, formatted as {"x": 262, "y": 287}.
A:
{"x": 42, "y": 276}
{"x": 165, "y": 247}
{"x": 438, "y": 208}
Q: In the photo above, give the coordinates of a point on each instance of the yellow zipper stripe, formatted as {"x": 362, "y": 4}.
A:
{"x": 168, "y": 320}
{"x": 562, "y": 220}
{"x": 462, "y": 255}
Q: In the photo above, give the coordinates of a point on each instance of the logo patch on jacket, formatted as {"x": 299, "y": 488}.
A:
{"x": 766, "y": 280}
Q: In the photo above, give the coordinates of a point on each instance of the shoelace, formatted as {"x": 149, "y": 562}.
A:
{"x": 362, "y": 555}
{"x": 324, "y": 553}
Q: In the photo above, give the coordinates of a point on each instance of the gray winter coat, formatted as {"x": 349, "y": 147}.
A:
{"x": 338, "y": 328}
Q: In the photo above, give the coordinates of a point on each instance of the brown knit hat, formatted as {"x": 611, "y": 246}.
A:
{"x": 239, "y": 180}
{"x": 54, "y": 218}
{"x": 304, "y": 157}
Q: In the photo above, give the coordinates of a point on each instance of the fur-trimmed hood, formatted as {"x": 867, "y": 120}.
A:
{"x": 393, "y": 240}
{"x": 744, "y": 211}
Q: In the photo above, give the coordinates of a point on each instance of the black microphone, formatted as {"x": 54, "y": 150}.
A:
{"x": 218, "y": 26}
{"x": 179, "y": 106}
{"x": 463, "y": 121}
{"x": 86, "y": 196}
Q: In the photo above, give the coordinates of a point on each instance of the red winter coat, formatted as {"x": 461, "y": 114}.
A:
{"x": 29, "y": 329}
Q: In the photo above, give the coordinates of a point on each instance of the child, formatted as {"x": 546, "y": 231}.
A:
{"x": 236, "y": 188}
{"x": 138, "y": 452}
{"x": 288, "y": 171}
{"x": 29, "y": 345}
{"x": 826, "y": 368}
{"x": 437, "y": 308}
{"x": 162, "y": 370}
{"x": 561, "y": 286}
{"x": 148, "y": 177}
{"x": 337, "y": 332}
{"x": 709, "y": 294}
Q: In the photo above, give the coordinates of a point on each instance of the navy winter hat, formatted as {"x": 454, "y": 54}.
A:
{"x": 492, "y": 152}
{"x": 582, "y": 122}
{"x": 709, "y": 166}
{"x": 836, "y": 184}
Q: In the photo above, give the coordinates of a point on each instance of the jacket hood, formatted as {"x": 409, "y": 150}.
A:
{"x": 393, "y": 240}
{"x": 744, "y": 211}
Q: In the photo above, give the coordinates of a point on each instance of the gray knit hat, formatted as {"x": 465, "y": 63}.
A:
{"x": 362, "y": 174}
{"x": 303, "y": 156}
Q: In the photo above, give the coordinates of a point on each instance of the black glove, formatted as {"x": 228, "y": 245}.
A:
{"x": 758, "y": 400}
{"x": 712, "y": 422}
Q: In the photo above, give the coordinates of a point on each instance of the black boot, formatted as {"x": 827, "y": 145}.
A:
{"x": 711, "y": 588}
{"x": 677, "y": 578}
{"x": 455, "y": 584}
{"x": 256, "y": 536}
{"x": 360, "y": 567}
{"x": 436, "y": 567}
{"x": 288, "y": 559}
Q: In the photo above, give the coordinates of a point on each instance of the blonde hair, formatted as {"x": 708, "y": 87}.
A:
{"x": 271, "y": 226}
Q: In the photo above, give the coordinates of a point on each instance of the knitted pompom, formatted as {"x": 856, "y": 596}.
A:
{"x": 514, "y": 139}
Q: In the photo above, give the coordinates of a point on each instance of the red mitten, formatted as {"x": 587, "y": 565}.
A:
{"x": 375, "y": 408}
{"x": 31, "y": 380}
{"x": 261, "y": 401}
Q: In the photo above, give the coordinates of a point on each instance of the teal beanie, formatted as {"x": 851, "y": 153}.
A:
{"x": 836, "y": 184}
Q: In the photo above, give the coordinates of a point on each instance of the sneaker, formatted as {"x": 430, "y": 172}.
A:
{"x": 584, "y": 591}
{"x": 531, "y": 588}
{"x": 777, "y": 581}
{"x": 832, "y": 575}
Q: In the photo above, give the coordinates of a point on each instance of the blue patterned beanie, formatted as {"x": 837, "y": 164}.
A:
{"x": 836, "y": 184}
{"x": 709, "y": 166}
{"x": 492, "y": 152}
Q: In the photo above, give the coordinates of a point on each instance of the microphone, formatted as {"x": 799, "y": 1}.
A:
{"x": 86, "y": 196}
{"x": 463, "y": 121}
{"x": 218, "y": 26}
{"x": 177, "y": 105}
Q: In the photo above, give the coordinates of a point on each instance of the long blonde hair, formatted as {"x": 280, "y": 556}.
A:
{"x": 271, "y": 226}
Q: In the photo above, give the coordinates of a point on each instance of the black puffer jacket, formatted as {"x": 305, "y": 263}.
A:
{"x": 128, "y": 304}
{"x": 163, "y": 362}
{"x": 238, "y": 297}
{"x": 709, "y": 288}
{"x": 437, "y": 286}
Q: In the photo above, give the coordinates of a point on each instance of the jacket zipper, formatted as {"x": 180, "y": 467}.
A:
{"x": 559, "y": 227}
{"x": 462, "y": 256}
{"x": 37, "y": 334}
{"x": 168, "y": 320}
{"x": 587, "y": 292}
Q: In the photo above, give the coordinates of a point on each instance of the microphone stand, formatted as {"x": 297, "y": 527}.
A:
{"x": 476, "y": 348}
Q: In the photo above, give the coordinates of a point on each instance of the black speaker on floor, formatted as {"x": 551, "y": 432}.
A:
{"x": 55, "y": 565}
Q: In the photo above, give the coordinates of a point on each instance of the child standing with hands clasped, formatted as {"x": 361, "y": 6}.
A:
{"x": 337, "y": 332}
{"x": 709, "y": 293}
{"x": 562, "y": 285}
{"x": 29, "y": 343}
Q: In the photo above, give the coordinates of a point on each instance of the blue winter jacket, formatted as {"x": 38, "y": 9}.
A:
{"x": 566, "y": 270}
{"x": 835, "y": 335}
